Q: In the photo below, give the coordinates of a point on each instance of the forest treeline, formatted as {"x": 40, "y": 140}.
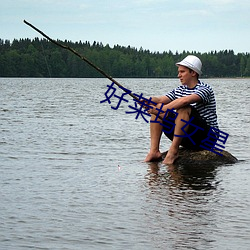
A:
{"x": 41, "y": 58}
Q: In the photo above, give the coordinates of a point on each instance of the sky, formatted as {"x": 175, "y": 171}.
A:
{"x": 155, "y": 25}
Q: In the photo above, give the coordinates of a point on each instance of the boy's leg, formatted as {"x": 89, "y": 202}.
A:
{"x": 173, "y": 152}
{"x": 155, "y": 137}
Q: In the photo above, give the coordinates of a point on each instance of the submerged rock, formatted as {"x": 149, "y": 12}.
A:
{"x": 203, "y": 157}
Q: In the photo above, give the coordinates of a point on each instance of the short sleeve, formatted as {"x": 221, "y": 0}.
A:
{"x": 205, "y": 93}
{"x": 171, "y": 95}
{"x": 175, "y": 93}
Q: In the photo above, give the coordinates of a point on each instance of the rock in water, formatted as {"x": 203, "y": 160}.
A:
{"x": 203, "y": 157}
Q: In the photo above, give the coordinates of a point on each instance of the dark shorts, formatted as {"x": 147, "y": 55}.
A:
{"x": 193, "y": 141}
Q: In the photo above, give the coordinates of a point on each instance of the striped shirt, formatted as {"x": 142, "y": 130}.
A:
{"x": 206, "y": 108}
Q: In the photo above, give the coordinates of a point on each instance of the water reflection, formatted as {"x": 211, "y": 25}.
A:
{"x": 183, "y": 197}
{"x": 183, "y": 176}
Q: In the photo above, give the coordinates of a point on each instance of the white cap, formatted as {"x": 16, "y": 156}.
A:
{"x": 191, "y": 62}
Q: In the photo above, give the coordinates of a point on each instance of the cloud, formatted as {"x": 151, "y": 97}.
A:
{"x": 149, "y": 2}
{"x": 221, "y": 2}
{"x": 83, "y": 6}
{"x": 225, "y": 5}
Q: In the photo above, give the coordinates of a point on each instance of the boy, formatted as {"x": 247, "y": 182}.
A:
{"x": 195, "y": 112}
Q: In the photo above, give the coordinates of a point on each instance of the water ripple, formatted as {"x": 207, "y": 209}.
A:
{"x": 72, "y": 175}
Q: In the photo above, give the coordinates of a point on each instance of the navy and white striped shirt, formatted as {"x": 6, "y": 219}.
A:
{"x": 206, "y": 108}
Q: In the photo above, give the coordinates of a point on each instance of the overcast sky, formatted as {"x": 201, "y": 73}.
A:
{"x": 157, "y": 25}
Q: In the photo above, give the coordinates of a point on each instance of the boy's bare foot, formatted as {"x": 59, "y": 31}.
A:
{"x": 153, "y": 156}
{"x": 170, "y": 157}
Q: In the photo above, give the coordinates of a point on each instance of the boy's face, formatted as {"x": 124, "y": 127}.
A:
{"x": 185, "y": 75}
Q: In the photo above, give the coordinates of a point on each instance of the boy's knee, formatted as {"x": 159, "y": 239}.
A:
{"x": 186, "y": 109}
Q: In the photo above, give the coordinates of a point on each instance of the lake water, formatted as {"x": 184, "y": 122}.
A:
{"x": 72, "y": 174}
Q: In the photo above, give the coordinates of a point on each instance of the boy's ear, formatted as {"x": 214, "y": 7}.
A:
{"x": 194, "y": 73}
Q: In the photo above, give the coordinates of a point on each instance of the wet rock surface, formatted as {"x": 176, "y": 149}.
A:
{"x": 203, "y": 157}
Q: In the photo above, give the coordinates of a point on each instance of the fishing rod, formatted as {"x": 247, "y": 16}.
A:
{"x": 83, "y": 58}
